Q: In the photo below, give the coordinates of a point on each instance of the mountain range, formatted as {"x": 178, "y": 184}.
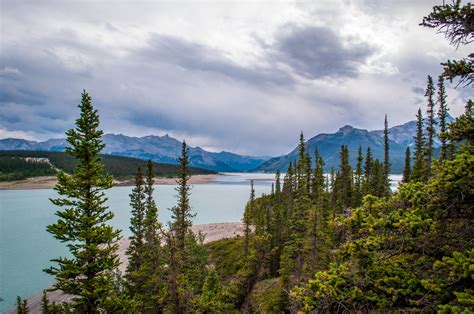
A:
{"x": 165, "y": 149}
{"x": 329, "y": 145}
{"x": 162, "y": 149}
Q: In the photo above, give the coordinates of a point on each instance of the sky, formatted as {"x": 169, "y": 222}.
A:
{"x": 245, "y": 76}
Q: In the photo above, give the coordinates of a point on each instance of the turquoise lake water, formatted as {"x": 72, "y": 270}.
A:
{"x": 26, "y": 248}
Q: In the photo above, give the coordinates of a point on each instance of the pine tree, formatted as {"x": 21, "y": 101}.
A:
{"x": 137, "y": 228}
{"x": 455, "y": 21}
{"x": 302, "y": 168}
{"x": 344, "y": 187}
{"x": 249, "y": 210}
{"x": 407, "y": 167}
{"x": 21, "y": 306}
{"x": 181, "y": 214}
{"x": 151, "y": 225}
{"x": 150, "y": 275}
{"x": 430, "y": 128}
{"x": 277, "y": 184}
{"x": 182, "y": 245}
{"x": 386, "y": 159}
{"x": 83, "y": 224}
{"x": 369, "y": 160}
{"x": 442, "y": 116}
{"x": 418, "y": 172}
{"x": 45, "y": 303}
{"x": 358, "y": 186}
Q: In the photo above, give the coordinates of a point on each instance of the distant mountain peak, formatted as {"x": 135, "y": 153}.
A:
{"x": 346, "y": 129}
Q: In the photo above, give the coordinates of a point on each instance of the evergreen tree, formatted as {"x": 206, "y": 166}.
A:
{"x": 344, "y": 189}
{"x": 187, "y": 260}
{"x": 358, "y": 186}
{"x": 277, "y": 183}
{"x": 151, "y": 274}
{"x": 455, "y": 21}
{"x": 137, "y": 228}
{"x": 369, "y": 160}
{"x": 442, "y": 116}
{"x": 83, "y": 224}
{"x": 386, "y": 159}
{"x": 430, "y": 127}
{"x": 407, "y": 167}
{"x": 21, "y": 306}
{"x": 45, "y": 303}
{"x": 181, "y": 213}
{"x": 249, "y": 210}
{"x": 418, "y": 172}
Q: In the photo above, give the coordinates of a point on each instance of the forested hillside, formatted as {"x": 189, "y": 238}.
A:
{"x": 20, "y": 164}
{"x": 317, "y": 243}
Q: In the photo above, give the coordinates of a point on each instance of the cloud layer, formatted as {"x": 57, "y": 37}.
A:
{"x": 244, "y": 77}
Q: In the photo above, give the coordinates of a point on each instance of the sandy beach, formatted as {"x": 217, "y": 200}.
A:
{"x": 48, "y": 182}
{"x": 212, "y": 232}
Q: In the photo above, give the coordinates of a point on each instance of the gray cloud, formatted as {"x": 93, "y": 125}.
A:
{"x": 197, "y": 57}
{"x": 317, "y": 52}
{"x": 285, "y": 79}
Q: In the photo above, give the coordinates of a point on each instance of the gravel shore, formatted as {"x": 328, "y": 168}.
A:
{"x": 212, "y": 232}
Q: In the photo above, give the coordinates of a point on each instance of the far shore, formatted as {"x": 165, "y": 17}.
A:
{"x": 212, "y": 232}
{"x": 48, "y": 182}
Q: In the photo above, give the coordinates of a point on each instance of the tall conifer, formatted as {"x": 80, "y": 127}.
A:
{"x": 418, "y": 172}
{"x": 431, "y": 122}
{"x": 442, "y": 116}
{"x": 386, "y": 158}
{"x": 407, "y": 167}
{"x": 83, "y": 224}
{"x": 137, "y": 228}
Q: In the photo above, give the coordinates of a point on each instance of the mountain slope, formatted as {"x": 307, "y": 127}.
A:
{"x": 162, "y": 149}
{"x": 329, "y": 145}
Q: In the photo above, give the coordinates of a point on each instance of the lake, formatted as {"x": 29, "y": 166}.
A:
{"x": 26, "y": 248}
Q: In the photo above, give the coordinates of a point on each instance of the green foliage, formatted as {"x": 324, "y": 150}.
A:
{"x": 21, "y": 306}
{"x": 407, "y": 168}
{"x": 419, "y": 173}
{"x": 456, "y": 21}
{"x": 404, "y": 252}
{"x": 227, "y": 256}
{"x": 83, "y": 223}
{"x": 265, "y": 296}
{"x": 18, "y": 168}
{"x": 13, "y": 165}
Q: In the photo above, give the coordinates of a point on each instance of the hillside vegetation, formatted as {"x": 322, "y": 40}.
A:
{"x": 18, "y": 165}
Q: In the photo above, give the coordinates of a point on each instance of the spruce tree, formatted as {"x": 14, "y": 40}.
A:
{"x": 442, "y": 116}
{"x": 407, "y": 167}
{"x": 431, "y": 122}
{"x": 369, "y": 160}
{"x": 151, "y": 272}
{"x": 182, "y": 244}
{"x": 21, "y": 306}
{"x": 277, "y": 183}
{"x": 418, "y": 172}
{"x": 386, "y": 159}
{"x": 344, "y": 180}
{"x": 45, "y": 303}
{"x": 249, "y": 210}
{"x": 84, "y": 222}
{"x": 358, "y": 186}
{"x": 137, "y": 228}
{"x": 181, "y": 214}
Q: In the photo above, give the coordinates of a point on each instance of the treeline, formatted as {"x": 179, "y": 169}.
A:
{"x": 14, "y": 166}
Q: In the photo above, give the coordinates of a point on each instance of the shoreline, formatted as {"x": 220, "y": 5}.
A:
{"x": 213, "y": 232}
{"x": 48, "y": 182}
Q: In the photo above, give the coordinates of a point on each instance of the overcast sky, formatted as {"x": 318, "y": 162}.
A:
{"x": 240, "y": 76}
